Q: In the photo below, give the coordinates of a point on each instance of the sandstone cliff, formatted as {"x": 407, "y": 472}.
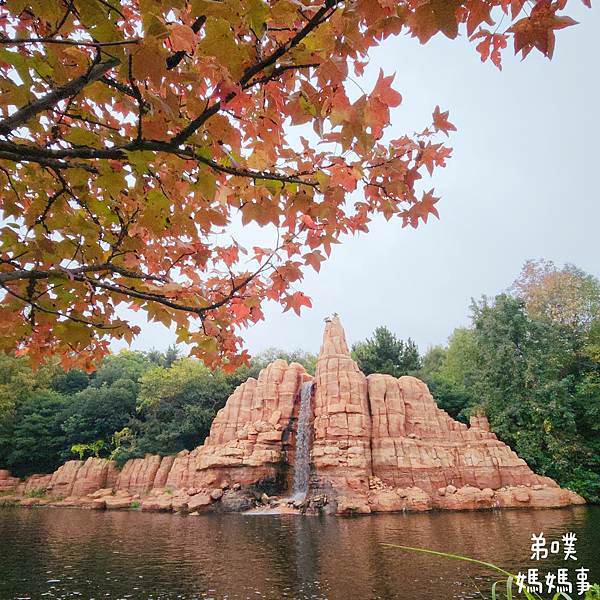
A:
{"x": 378, "y": 444}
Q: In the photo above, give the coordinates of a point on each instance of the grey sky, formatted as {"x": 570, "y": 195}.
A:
{"x": 522, "y": 184}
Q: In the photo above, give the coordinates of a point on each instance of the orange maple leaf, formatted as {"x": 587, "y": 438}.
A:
{"x": 383, "y": 90}
{"x": 537, "y": 30}
{"x": 440, "y": 121}
{"x": 296, "y": 301}
{"x": 182, "y": 38}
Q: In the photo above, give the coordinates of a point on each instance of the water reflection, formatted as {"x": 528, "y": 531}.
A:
{"x": 61, "y": 553}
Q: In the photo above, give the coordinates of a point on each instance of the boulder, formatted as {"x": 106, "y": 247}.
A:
{"x": 157, "y": 503}
{"x": 352, "y": 505}
{"x": 199, "y": 502}
{"x": 235, "y": 501}
{"x": 117, "y": 502}
{"x": 216, "y": 494}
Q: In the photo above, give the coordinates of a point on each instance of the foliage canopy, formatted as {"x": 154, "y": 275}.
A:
{"x": 135, "y": 403}
{"x": 134, "y": 133}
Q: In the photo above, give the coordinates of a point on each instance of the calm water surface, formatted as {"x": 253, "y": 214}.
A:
{"x": 62, "y": 553}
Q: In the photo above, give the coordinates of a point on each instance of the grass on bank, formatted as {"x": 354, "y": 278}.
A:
{"x": 508, "y": 580}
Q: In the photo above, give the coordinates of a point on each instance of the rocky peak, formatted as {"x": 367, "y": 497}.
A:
{"x": 334, "y": 339}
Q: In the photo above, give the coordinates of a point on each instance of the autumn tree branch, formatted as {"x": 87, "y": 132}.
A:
{"x": 245, "y": 82}
{"x": 21, "y": 116}
{"x": 47, "y": 40}
{"x": 58, "y": 158}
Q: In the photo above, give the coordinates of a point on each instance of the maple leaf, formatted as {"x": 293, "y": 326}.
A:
{"x": 537, "y": 30}
{"x": 479, "y": 11}
{"x": 434, "y": 16}
{"x": 314, "y": 259}
{"x": 240, "y": 309}
{"x": 440, "y": 121}
{"x": 307, "y": 221}
{"x": 422, "y": 210}
{"x": 296, "y": 301}
{"x": 491, "y": 46}
{"x": 383, "y": 91}
{"x": 229, "y": 255}
{"x": 182, "y": 38}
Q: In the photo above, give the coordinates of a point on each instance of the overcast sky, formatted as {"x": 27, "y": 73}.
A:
{"x": 522, "y": 184}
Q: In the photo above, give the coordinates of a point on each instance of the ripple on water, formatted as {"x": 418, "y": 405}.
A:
{"x": 62, "y": 553}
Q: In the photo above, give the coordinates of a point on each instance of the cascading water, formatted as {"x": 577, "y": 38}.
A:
{"x": 302, "y": 460}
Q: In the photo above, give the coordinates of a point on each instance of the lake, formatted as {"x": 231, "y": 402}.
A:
{"x": 70, "y": 553}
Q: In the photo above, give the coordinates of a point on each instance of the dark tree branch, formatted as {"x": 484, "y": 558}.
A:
{"x": 35, "y": 154}
{"x": 47, "y": 40}
{"x": 21, "y": 116}
{"x": 80, "y": 274}
{"x": 64, "y": 18}
{"x": 84, "y": 119}
{"x": 124, "y": 89}
{"x": 111, "y": 7}
{"x": 46, "y": 162}
{"x": 245, "y": 82}
{"x": 178, "y": 56}
{"x": 35, "y": 305}
{"x": 63, "y": 273}
{"x": 280, "y": 70}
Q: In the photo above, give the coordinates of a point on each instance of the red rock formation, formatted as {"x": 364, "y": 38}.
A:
{"x": 34, "y": 484}
{"x": 93, "y": 475}
{"x": 421, "y": 457}
{"x": 137, "y": 475}
{"x": 342, "y": 423}
{"x": 415, "y": 443}
{"x": 380, "y": 444}
{"x": 250, "y": 436}
{"x": 8, "y": 483}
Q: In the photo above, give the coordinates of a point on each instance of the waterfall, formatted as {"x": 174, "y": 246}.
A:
{"x": 302, "y": 459}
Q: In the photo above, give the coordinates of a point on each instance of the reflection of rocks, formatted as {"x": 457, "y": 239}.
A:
{"x": 381, "y": 444}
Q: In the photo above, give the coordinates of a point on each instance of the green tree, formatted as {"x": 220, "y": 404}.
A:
{"x": 126, "y": 365}
{"x": 264, "y": 358}
{"x": 18, "y": 381}
{"x": 175, "y": 408}
{"x": 92, "y": 449}
{"x": 540, "y": 396}
{"x": 70, "y": 382}
{"x": 450, "y": 373}
{"x": 36, "y": 440}
{"x": 164, "y": 359}
{"x": 97, "y": 412}
{"x": 385, "y": 353}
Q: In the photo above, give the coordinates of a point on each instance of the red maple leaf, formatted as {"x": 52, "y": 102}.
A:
{"x": 537, "y": 30}
{"x": 440, "y": 121}
{"x": 383, "y": 90}
{"x": 421, "y": 210}
{"x": 295, "y": 301}
{"x": 490, "y": 46}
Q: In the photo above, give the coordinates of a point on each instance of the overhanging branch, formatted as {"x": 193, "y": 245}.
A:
{"x": 21, "y": 116}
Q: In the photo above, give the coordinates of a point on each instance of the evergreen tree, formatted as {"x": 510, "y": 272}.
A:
{"x": 385, "y": 353}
